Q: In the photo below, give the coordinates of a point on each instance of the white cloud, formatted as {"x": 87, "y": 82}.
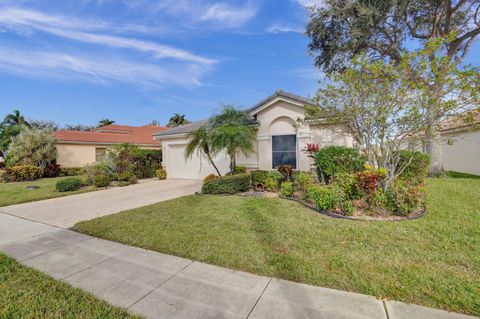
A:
{"x": 67, "y": 27}
{"x": 228, "y": 15}
{"x": 279, "y": 28}
{"x": 97, "y": 68}
{"x": 310, "y": 3}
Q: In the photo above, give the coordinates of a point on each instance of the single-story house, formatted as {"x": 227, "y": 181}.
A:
{"x": 461, "y": 143}
{"x": 281, "y": 139}
{"x": 79, "y": 148}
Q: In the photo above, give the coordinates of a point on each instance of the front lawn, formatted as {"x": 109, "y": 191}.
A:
{"x": 26, "y": 293}
{"x": 434, "y": 261}
{"x": 16, "y": 193}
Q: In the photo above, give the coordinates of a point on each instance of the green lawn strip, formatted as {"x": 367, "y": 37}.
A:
{"x": 453, "y": 174}
{"x": 26, "y": 293}
{"x": 17, "y": 193}
{"x": 434, "y": 260}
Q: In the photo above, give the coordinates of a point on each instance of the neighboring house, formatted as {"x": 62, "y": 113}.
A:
{"x": 280, "y": 140}
{"x": 461, "y": 148}
{"x": 79, "y": 148}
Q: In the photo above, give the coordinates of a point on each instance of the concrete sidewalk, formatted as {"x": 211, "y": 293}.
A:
{"x": 162, "y": 286}
{"x": 67, "y": 211}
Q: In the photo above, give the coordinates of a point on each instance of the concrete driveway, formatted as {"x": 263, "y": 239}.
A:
{"x": 67, "y": 211}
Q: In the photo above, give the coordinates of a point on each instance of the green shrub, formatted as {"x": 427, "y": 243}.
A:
{"x": 133, "y": 180}
{"x": 68, "y": 184}
{"x": 271, "y": 184}
{"x": 146, "y": 163}
{"x": 347, "y": 207}
{"x": 21, "y": 173}
{"x": 125, "y": 176}
{"x": 402, "y": 198}
{"x": 227, "y": 185}
{"x": 332, "y": 160}
{"x": 287, "y": 189}
{"x": 100, "y": 168}
{"x": 70, "y": 171}
{"x": 123, "y": 184}
{"x": 258, "y": 177}
{"x": 347, "y": 182}
{"x": 325, "y": 197}
{"x": 210, "y": 177}
{"x": 414, "y": 164}
{"x": 303, "y": 181}
{"x": 101, "y": 181}
{"x": 161, "y": 174}
{"x": 239, "y": 170}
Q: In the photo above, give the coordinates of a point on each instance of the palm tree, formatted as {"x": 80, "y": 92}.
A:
{"x": 177, "y": 120}
{"x": 200, "y": 141}
{"x": 233, "y": 131}
{"x": 15, "y": 119}
{"x": 105, "y": 122}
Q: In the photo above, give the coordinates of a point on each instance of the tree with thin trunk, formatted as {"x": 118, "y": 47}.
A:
{"x": 200, "y": 142}
{"x": 384, "y": 29}
{"x": 233, "y": 131}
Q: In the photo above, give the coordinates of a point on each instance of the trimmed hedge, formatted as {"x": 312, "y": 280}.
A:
{"x": 227, "y": 185}
{"x": 70, "y": 171}
{"x": 258, "y": 177}
{"x": 68, "y": 184}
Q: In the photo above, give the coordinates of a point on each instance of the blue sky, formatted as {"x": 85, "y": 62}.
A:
{"x": 133, "y": 61}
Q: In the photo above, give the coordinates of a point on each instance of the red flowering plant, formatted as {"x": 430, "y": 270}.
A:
{"x": 311, "y": 149}
{"x": 369, "y": 181}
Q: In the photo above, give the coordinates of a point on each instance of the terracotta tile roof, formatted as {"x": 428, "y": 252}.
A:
{"x": 112, "y": 134}
{"x": 467, "y": 119}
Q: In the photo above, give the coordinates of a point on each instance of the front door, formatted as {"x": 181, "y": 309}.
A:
{"x": 284, "y": 150}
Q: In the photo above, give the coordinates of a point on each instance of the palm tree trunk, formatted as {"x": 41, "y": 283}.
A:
{"x": 213, "y": 164}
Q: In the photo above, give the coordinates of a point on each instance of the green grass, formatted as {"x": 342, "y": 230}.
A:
{"x": 434, "y": 261}
{"x": 26, "y": 293}
{"x": 453, "y": 174}
{"x": 17, "y": 193}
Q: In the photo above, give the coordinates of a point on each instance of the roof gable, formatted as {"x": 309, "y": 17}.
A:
{"x": 280, "y": 95}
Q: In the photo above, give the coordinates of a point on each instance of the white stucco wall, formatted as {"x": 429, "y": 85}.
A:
{"x": 463, "y": 153}
{"x": 196, "y": 167}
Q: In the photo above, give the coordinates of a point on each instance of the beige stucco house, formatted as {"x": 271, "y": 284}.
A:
{"x": 79, "y": 148}
{"x": 280, "y": 140}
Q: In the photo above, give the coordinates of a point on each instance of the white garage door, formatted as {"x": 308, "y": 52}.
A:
{"x": 193, "y": 168}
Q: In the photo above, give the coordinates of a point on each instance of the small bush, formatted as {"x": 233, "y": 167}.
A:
{"x": 210, "y": 177}
{"x": 348, "y": 184}
{"x": 125, "y": 176}
{"x": 347, "y": 207}
{"x": 271, "y": 184}
{"x": 332, "y": 160}
{"x": 303, "y": 181}
{"x": 227, "y": 185}
{"x": 239, "y": 170}
{"x": 133, "y": 180}
{"x": 325, "y": 197}
{"x": 51, "y": 170}
{"x": 123, "y": 184}
{"x": 70, "y": 171}
{"x": 415, "y": 166}
{"x": 21, "y": 173}
{"x": 287, "y": 189}
{"x": 101, "y": 181}
{"x": 100, "y": 168}
{"x": 402, "y": 198}
{"x": 161, "y": 174}
{"x": 286, "y": 171}
{"x": 258, "y": 177}
{"x": 68, "y": 185}
{"x": 368, "y": 182}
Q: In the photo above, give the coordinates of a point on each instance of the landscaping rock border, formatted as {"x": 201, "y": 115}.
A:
{"x": 418, "y": 215}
